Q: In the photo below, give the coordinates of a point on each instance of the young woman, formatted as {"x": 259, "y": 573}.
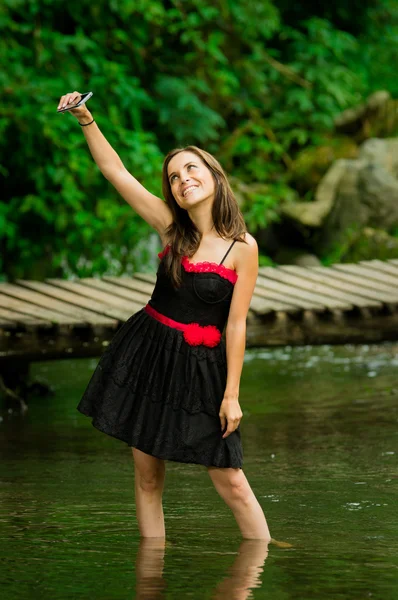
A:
{"x": 166, "y": 384}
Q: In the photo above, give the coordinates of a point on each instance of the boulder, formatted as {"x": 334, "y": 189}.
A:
{"x": 378, "y": 197}
{"x": 311, "y": 164}
{"x": 381, "y": 152}
{"x": 353, "y": 194}
{"x": 377, "y": 116}
{"x": 313, "y": 214}
{"x": 307, "y": 260}
{"x": 296, "y": 256}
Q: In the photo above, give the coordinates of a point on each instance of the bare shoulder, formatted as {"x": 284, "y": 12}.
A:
{"x": 247, "y": 251}
{"x": 250, "y": 242}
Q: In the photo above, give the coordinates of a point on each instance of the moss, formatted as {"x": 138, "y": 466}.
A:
{"x": 312, "y": 163}
{"x": 364, "y": 244}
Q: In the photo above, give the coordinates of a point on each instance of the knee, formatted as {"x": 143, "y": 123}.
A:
{"x": 238, "y": 488}
{"x": 150, "y": 480}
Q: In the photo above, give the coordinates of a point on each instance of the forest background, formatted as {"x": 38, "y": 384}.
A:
{"x": 257, "y": 83}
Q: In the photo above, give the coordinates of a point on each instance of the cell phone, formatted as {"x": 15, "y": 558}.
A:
{"x": 83, "y": 100}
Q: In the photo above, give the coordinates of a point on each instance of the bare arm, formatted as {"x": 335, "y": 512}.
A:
{"x": 246, "y": 264}
{"x": 151, "y": 208}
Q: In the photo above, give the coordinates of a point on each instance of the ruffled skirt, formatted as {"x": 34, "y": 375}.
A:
{"x": 159, "y": 394}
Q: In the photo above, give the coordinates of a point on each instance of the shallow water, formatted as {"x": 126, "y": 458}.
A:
{"x": 320, "y": 434}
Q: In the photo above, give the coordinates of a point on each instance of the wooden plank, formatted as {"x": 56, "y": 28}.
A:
{"x": 89, "y": 292}
{"x": 131, "y": 283}
{"x": 369, "y": 274}
{"x": 149, "y": 277}
{"x": 394, "y": 261}
{"x": 261, "y": 306}
{"x": 323, "y": 329}
{"x": 116, "y": 290}
{"x": 372, "y": 290}
{"x": 345, "y": 290}
{"x": 77, "y": 300}
{"x": 381, "y": 266}
{"x": 7, "y": 323}
{"x": 279, "y": 292}
{"x": 326, "y": 296}
{"x": 18, "y": 318}
{"x": 276, "y": 300}
{"x": 304, "y": 299}
{"x": 45, "y": 301}
{"x": 35, "y": 311}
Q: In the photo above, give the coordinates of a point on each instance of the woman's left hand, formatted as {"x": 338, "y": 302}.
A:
{"x": 231, "y": 414}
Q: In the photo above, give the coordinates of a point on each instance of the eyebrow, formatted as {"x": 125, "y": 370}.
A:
{"x": 191, "y": 162}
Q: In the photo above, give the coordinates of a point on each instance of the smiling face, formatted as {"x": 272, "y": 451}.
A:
{"x": 191, "y": 181}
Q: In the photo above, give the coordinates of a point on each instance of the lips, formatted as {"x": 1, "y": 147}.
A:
{"x": 189, "y": 189}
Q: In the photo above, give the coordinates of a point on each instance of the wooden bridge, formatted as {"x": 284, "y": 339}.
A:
{"x": 356, "y": 303}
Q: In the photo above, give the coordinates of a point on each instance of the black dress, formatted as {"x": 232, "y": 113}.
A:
{"x": 160, "y": 382}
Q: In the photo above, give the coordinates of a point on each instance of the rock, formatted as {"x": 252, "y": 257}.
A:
{"x": 378, "y": 195}
{"x": 381, "y": 152}
{"x": 358, "y": 191}
{"x": 296, "y": 256}
{"x": 351, "y": 119}
{"x": 312, "y": 163}
{"x": 353, "y": 194}
{"x": 307, "y": 260}
{"x": 378, "y": 116}
{"x": 313, "y": 214}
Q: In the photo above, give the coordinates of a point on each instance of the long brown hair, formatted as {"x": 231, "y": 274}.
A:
{"x": 182, "y": 235}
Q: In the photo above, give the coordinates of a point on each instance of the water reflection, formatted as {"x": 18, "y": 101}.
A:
{"x": 243, "y": 576}
{"x": 149, "y": 569}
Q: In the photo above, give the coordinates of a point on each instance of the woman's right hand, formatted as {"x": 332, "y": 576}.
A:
{"x": 71, "y": 99}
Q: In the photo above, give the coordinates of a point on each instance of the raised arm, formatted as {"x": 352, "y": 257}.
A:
{"x": 151, "y": 208}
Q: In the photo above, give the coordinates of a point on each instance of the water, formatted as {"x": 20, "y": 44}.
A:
{"x": 320, "y": 433}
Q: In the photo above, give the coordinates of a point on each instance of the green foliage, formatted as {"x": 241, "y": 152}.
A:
{"x": 379, "y": 48}
{"x": 363, "y": 244}
{"x": 265, "y": 261}
{"x": 262, "y": 208}
{"x": 253, "y": 82}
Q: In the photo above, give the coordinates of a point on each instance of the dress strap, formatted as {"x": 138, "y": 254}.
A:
{"x": 227, "y": 252}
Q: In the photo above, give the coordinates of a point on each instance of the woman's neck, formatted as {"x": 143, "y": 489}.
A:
{"x": 201, "y": 216}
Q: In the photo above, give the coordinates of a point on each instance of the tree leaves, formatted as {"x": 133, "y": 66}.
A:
{"x": 253, "y": 82}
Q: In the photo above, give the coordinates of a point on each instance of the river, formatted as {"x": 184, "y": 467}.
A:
{"x": 320, "y": 433}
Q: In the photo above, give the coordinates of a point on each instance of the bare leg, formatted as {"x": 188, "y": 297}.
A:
{"x": 235, "y": 490}
{"x": 149, "y": 483}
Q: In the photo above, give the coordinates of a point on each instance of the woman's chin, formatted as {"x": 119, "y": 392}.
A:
{"x": 195, "y": 202}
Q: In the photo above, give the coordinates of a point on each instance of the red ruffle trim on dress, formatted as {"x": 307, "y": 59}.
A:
{"x": 209, "y": 267}
{"x": 163, "y": 253}
{"x": 204, "y": 267}
{"x": 194, "y": 334}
